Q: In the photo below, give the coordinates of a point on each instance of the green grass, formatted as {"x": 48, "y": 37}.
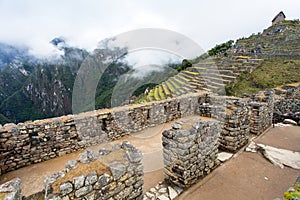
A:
{"x": 156, "y": 95}
{"x": 167, "y": 91}
{"x": 178, "y": 81}
{"x": 161, "y": 92}
{"x": 182, "y": 77}
{"x": 270, "y": 74}
{"x": 170, "y": 86}
{"x": 174, "y": 83}
{"x": 192, "y": 73}
{"x": 151, "y": 94}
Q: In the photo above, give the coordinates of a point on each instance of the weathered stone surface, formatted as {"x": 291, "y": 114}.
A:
{"x": 104, "y": 151}
{"x": 79, "y": 181}
{"x": 289, "y": 121}
{"x": 12, "y": 188}
{"x": 193, "y": 152}
{"x": 66, "y": 188}
{"x": 134, "y": 155}
{"x": 117, "y": 169}
{"x": 83, "y": 191}
{"x": 104, "y": 180}
{"x": 71, "y": 164}
{"x": 223, "y": 156}
{"x": 52, "y": 178}
{"x": 91, "y": 178}
{"x": 88, "y": 156}
{"x": 172, "y": 193}
{"x": 176, "y": 126}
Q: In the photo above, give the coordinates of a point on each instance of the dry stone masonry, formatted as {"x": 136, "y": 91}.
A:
{"x": 287, "y": 104}
{"x": 236, "y": 128}
{"x": 262, "y": 106}
{"x": 108, "y": 174}
{"x": 190, "y": 150}
{"x": 11, "y": 190}
{"x": 33, "y": 142}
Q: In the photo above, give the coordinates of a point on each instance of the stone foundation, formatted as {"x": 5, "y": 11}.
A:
{"x": 115, "y": 173}
{"x": 107, "y": 174}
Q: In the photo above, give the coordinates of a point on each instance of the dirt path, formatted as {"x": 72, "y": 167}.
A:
{"x": 250, "y": 176}
{"x": 148, "y": 141}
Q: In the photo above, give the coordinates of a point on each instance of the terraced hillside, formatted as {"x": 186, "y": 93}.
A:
{"x": 214, "y": 73}
{"x": 211, "y": 74}
{"x": 279, "y": 40}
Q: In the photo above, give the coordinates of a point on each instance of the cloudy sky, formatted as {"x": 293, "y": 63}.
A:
{"x": 86, "y": 22}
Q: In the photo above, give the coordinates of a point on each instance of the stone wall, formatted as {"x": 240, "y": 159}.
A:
{"x": 262, "y": 106}
{"x": 190, "y": 150}
{"x": 287, "y": 109}
{"x": 11, "y": 190}
{"x": 212, "y": 106}
{"x": 236, "y": 128}
{"x": 115, "y": 173}
{"x": 32, "y": 142}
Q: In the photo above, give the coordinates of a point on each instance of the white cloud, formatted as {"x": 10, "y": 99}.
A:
{"x": 84, "y": 23}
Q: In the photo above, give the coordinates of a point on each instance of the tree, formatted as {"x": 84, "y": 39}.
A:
{"x": 220, "y": 48}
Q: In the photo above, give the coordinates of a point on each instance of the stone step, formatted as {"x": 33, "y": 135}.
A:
{"x": 220, "y": 67}
{"x": 223, "y": 72}
{"x": 179, "y": 92}
{"x": 161, "y": 92}
{"x": 217, "y": 79}
{"x": 178, "y": 81}
{"x": 214, "y": 84}
{"x": 212, "y": 88}
{"x": 226, "y": 78}
{"x": 197, "y": 69}
{"x": 191, "y": 73}
{"x": 166, "y": 90}
{"x": 170, "y": 87}
{"x": 197, "y": 85}
{"x": 156, "y": 94}
{"x": 182, "y": 78}
{"x": 187, "y": 76}
{"x": 151, "y": 95}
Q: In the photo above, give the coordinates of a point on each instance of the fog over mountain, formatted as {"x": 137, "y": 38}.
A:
{"x": 83, "y": 23}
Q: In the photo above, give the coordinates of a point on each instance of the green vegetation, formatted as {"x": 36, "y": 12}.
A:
{"x": 192, "y": 73}
{"x": 291, "y": 195}
{"x": 199, "y": 58}
{"x": 3, "y": 119}
{"x": 270, "y": 74}
{"x": 291, "y": 22}
{"x": 220, "y": 48}
{"x": 185, "y": 64}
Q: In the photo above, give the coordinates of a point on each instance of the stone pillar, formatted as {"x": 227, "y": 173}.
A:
{"x": 190, "y": 150}
{"x": 236, "y": 126}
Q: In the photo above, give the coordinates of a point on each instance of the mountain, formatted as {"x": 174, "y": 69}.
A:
{"x": 35, "y": 89}
{"x": 248, "y": 65}
{"x": 32, "y": 88}
{"x": 8, "y": 53}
